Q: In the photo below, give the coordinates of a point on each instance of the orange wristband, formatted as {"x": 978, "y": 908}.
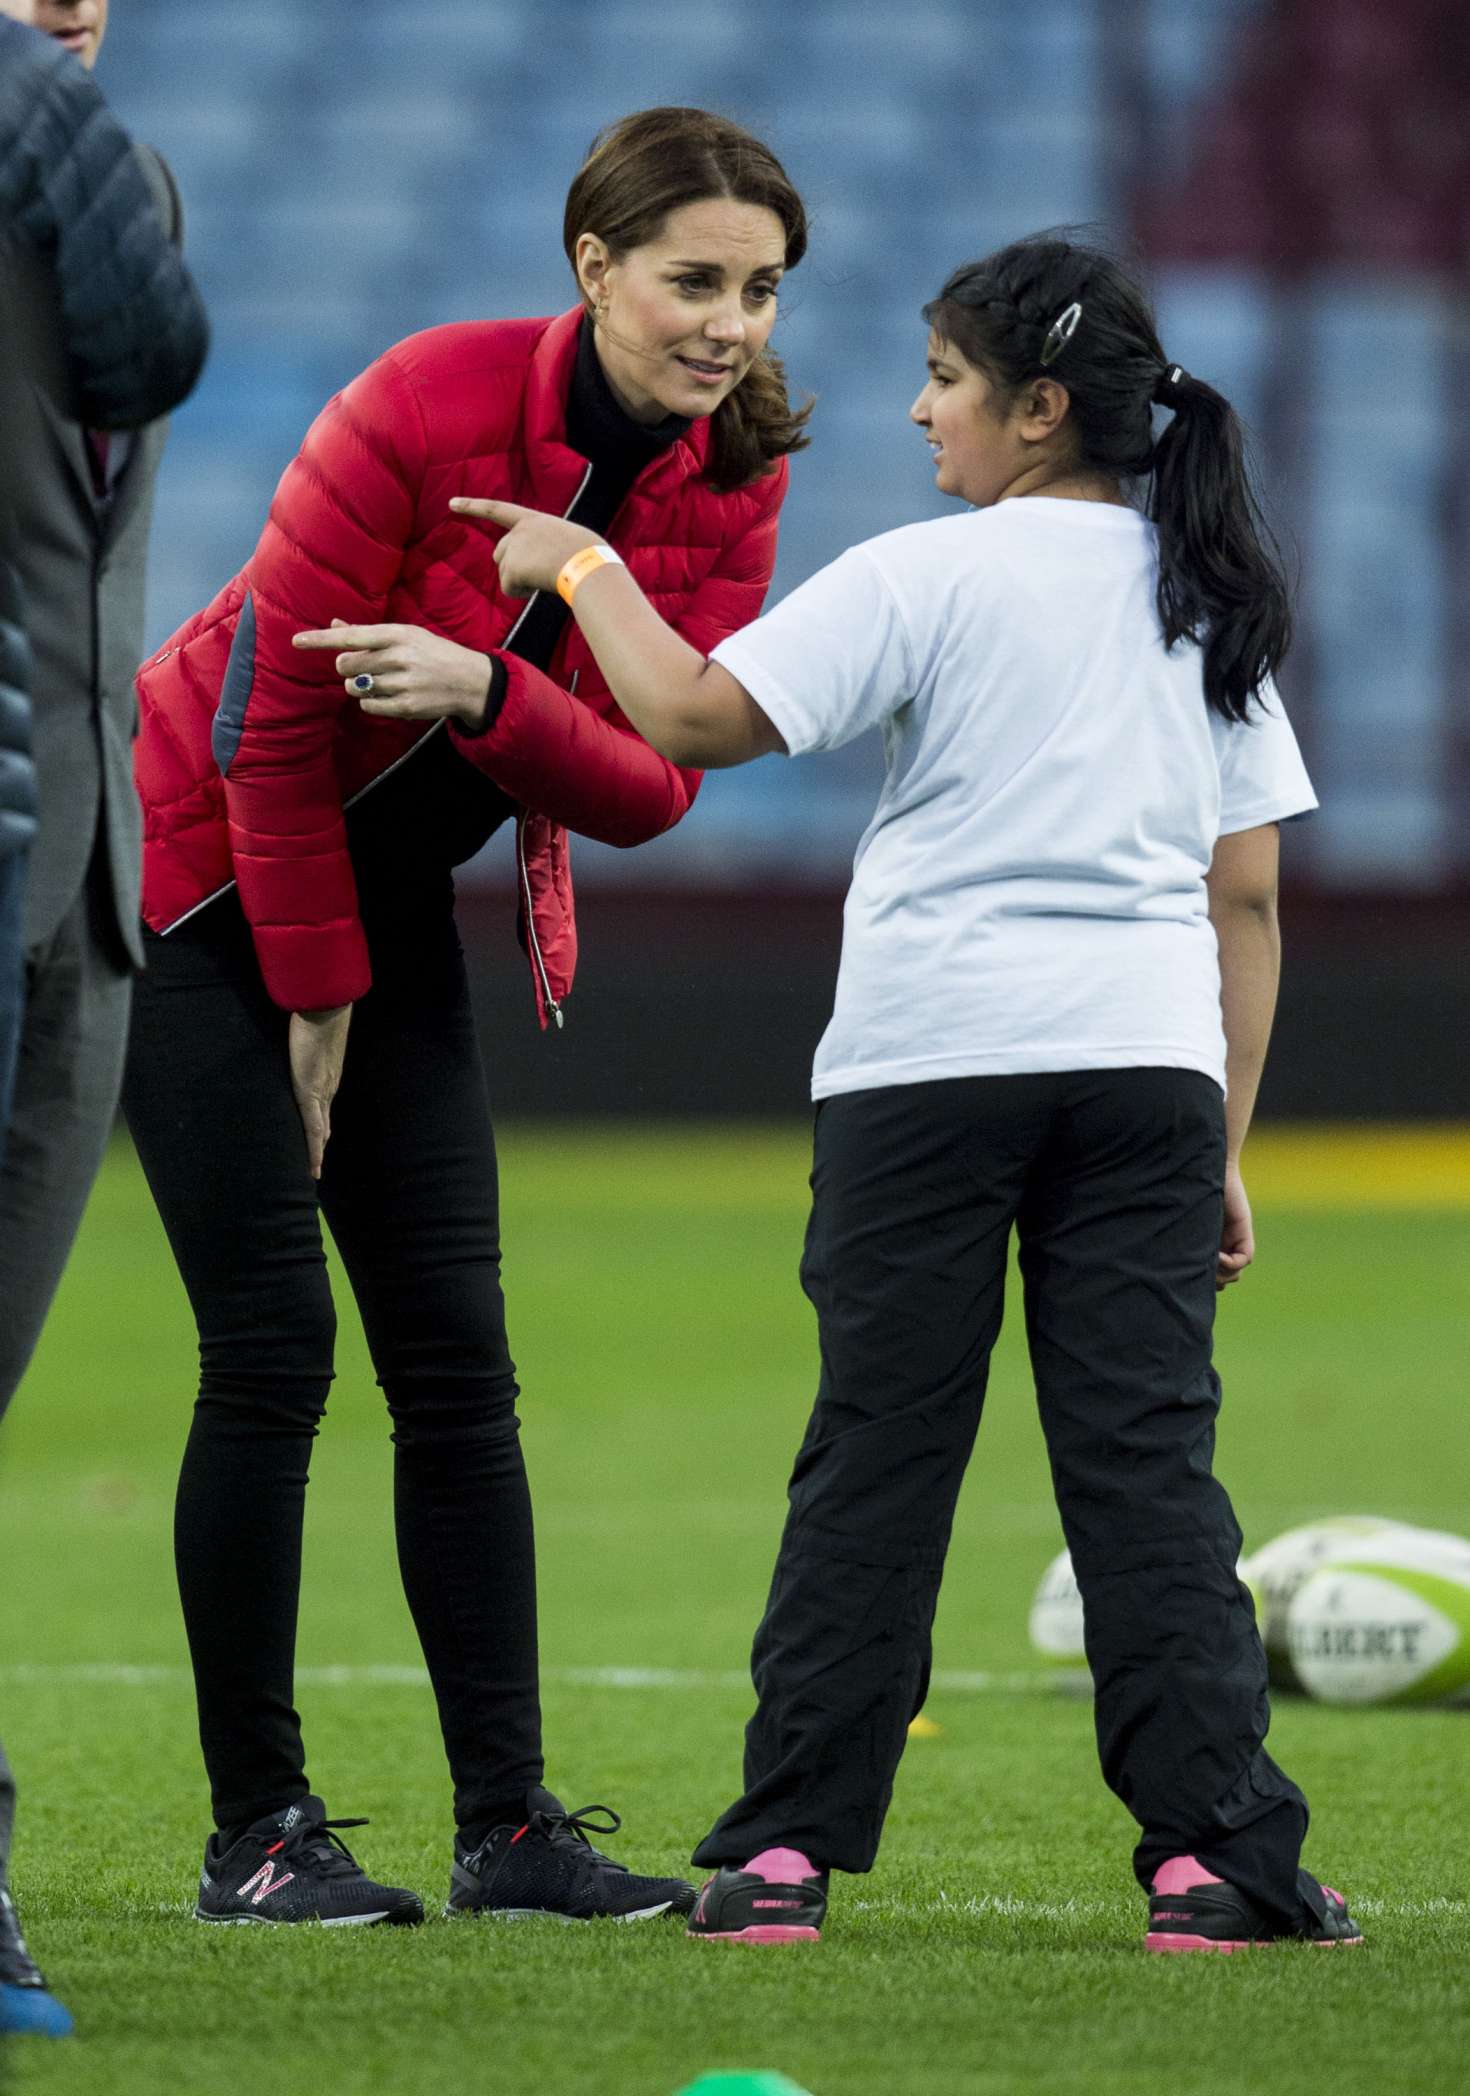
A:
{"x": 581, "y": 565}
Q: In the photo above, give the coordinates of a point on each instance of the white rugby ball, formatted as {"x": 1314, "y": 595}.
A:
{"x": 1275, "y": 1571}
{"x": 1381, "y": 1628}
{"x": 1055, "y": 1622}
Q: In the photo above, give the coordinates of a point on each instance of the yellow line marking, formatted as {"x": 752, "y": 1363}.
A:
{"x": 761, "y": 1167}
{"x": 1359, "y": 1164}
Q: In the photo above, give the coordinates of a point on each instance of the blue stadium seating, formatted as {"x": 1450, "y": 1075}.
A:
{"x": 357, "y": 169}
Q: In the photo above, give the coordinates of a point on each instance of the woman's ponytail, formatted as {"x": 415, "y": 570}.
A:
{"x": 754, "y": 426}
{"x": 1052, "y": 307}
{"x": 1221, "y": 579}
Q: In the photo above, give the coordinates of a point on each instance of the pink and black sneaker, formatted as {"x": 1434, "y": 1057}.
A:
{"x": 779, "y": 1897}
{"x": 1191, "y": 1909}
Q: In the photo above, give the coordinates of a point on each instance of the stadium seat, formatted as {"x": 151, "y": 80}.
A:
{"x": 353, "y": 172}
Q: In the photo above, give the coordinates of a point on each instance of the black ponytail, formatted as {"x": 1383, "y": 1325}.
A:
{"x": 1221, "y": 582}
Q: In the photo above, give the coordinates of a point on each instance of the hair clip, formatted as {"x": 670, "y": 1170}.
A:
{"x": 1172, "y": 379}
{"x": 1060, "y": 333}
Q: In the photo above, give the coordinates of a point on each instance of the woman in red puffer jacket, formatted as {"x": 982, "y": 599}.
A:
{"x": 348, "y": 720}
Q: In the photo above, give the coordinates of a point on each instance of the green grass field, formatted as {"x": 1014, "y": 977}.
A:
{"x": 667, "y": 1361}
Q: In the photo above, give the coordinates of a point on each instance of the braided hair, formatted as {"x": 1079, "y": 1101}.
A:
{"x": 1052, "y": 307}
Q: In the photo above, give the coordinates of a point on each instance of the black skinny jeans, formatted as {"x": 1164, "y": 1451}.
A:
{"x": 409, "y": 1191}
{"x": 1113, "y": 1181}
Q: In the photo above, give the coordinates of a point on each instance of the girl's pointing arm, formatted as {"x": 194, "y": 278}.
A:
{"x": 690, "y": 709}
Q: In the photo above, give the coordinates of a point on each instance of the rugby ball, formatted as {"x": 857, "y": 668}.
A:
{"x": 1055, "y": 1622}
{"x": 1389, "y": 1625}
{"x": 1276, "y": 1571}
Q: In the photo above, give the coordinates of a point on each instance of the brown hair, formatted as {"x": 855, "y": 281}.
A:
{"x": 650, "y": 164}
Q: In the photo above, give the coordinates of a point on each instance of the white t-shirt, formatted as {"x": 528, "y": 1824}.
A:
{"x": 1030, "y": 892}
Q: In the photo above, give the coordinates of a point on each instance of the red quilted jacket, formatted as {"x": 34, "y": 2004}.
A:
{"x": 248, "y": 750}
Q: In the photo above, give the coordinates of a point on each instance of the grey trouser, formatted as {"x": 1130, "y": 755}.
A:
{"x": 68, "y": 1073}
{"x": 73, "y": 1037}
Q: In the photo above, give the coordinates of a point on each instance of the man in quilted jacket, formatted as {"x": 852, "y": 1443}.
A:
{"x": 80, "y": 465}
{"x": 101, "y": 329}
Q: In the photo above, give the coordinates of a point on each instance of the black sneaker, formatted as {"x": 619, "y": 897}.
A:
{"x": 291, "y": 1866}
{"x": 26, "y": 2002}
{"x": 1190, "y": 1909}
{"x": 779, "y": 1896}
{"x": 549, "y": 1866}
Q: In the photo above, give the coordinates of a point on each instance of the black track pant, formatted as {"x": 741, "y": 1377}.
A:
{"x": 409, "y": 1191}
{"x": 1113, "y": 1180}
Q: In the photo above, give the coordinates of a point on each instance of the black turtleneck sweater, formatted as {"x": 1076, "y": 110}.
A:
{"x": 437, "y": 808}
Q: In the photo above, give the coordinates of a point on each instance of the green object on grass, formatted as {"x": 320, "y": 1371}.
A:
{"x": 757, "y": 2084}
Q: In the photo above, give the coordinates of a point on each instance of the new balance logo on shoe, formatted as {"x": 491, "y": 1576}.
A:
{"x": 298, "y": 1854}
{"x": 268, "y": 1882}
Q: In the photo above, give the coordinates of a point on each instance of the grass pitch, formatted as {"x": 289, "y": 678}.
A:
{"x": 667, "y": 1360}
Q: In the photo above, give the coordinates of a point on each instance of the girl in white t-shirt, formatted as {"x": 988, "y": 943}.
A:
{"x": 1059, "y": 945}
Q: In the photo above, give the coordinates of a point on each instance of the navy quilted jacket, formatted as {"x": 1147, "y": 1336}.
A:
{"x": 73, "y": 197}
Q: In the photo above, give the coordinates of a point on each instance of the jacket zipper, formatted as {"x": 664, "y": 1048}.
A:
{"x": 530, "y": 916}
{"x": 534, "y": 943}
{"x": 524, "y": 871}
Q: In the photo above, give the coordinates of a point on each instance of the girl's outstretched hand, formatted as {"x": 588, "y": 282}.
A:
{"x": 535, "y": 546}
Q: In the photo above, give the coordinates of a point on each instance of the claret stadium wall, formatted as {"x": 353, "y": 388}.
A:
{"x": 711, "y": 1001}
{"x": 354, "y": 170}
